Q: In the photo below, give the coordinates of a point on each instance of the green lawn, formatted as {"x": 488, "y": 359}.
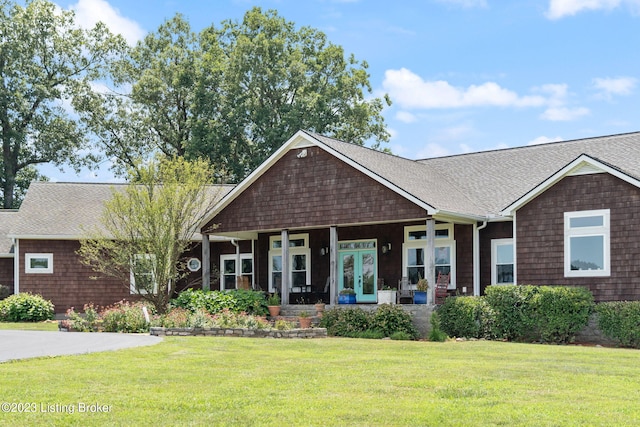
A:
{"x": 50, "y": 325}
{"x": 240, "y": 381}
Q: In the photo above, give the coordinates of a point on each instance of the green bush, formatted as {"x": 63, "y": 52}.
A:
{"x": 236, "y": 300}
{"x": 87, "y": 323}
{"x": 124, "y": 317}
{"x": 436, "y": 333}
{"x": 25, "y": 307}
{"x": 513, "y": 311}
{"x": 468, "y": 317}
{"x": 390, "y": 319}
{"x": 358, "y": 323}
{"x": 561, "y": 312}
{"x": 620, "y": 320}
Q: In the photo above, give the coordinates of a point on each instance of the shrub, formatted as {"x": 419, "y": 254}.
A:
{"x": 436, "y": 333}
{"x": 513, "y": 311}
{"x": 390, "y": 319}
{"x": 468, "y": 317}
{"x": 25, "y": 307}
{"x": 620, "y": 320}
{"x": 346, "y": 322}
{"x": 401, "y": 336}
{"x": 174, "y": 318}
{"x": 236, "y": 300}
{"x": 87, "y": 323}
{"x": 124, "y": 317}
{"x": 561, "y": 312}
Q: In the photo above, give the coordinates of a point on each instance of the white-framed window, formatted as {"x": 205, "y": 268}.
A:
{"x": 194, "y": 264}
{"x": 299, "y": 262}
{"x": 38, "y": 263}
{"x": 414, "y": 248}
{"x": 502, "y": 261}
{"x": 229, "y": 270}
{"x": 587, "y": 243}
{"x": 142, "y": 277}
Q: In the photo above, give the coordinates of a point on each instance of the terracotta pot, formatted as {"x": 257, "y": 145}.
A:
{"x": 274, "y": 310}
{"x": 305, "y": 322}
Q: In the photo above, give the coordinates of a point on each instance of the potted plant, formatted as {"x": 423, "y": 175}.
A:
{"x": 319, "y": 308}
{"x": 387, "y": 295}
{"x": 420, "y": 294}
{"x": 347, "y": 296}
{"x": 304, "y": 319}
{"x": 273, "y": 304}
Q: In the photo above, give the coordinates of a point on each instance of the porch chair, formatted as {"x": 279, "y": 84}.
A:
{"x": 442, "y": 284}
{"x": 405, "y": 295}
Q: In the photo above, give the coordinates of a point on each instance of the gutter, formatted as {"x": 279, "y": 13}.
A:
{"x": 476, "y": 256}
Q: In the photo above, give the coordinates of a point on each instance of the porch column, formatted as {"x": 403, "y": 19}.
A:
{"x": 286, "y": 273}
{"x": 333, "y": 264}
{"x": 206, "y": 263}
{"x": 430, "y": 259}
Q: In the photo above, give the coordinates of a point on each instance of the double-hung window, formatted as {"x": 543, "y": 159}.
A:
{"x": 142, "y": 276}
{"x": 414, "y": 253}
{"x": 229, "y": 270}
{"x": 586, "y": 243}
{"x": 502, "y": 261}
{"x": 299, "y": 262}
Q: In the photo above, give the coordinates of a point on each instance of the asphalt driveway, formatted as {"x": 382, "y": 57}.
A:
{"x": 27, "y": 344}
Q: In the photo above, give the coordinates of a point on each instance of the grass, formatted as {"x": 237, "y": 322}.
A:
{"x": 246, "y": 382}
{"x": 49, "y": 325}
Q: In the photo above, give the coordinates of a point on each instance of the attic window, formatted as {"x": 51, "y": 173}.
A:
{"x": 38, "y": 263}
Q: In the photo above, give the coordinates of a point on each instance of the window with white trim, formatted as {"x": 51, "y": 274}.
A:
{"x": 142, "y": 277}
{"x": 414, "y": 247}
{"x": 299, "y": 262}
{"x": 587, "y": 243}
{"x": 229, "y": 271}
{"x": 38, "y": 263}
{"x": 502, "y": 261}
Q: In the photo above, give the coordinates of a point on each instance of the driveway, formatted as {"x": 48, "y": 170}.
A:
{"x": 26, "y": 344}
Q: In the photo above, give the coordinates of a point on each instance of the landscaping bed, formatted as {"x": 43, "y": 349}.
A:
{"x": 241, "y": 332}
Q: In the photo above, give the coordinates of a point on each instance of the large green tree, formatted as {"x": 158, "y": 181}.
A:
{"x": 234, "y": 93}
{"x": 47, "y": 66}
{"x": 148, "y": 227}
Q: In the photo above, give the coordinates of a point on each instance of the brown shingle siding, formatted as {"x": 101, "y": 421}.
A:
{"x": 540, "y": 244}
{"x": 316, "y": 190}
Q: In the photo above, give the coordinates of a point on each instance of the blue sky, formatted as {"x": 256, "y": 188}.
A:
{"x": 463, "y": 75}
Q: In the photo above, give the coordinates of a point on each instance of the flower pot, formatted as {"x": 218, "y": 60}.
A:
{"x": 387, "y": 297}
{"x": 305, "y": 322}
{"x": 419, "y": 297}
{"x": 274, "y": 310}
{"x": 347, "y": 299}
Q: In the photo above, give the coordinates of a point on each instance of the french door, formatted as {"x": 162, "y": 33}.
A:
{"x": 358, "y": 272}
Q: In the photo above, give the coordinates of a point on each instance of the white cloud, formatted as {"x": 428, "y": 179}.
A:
{"x": 544, "y": 140}
{"x": 561, "y": 8}
{"x": 410, "y": 91}
{"x": 433, "y": 150}
{"x": 405, "y": 117}
{"x": 90, "y": 12}
{"x": 615, "y": 86}
{"x": 564, "y": 114}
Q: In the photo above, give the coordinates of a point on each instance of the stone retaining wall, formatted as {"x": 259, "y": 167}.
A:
{"x": 239, "y": 332}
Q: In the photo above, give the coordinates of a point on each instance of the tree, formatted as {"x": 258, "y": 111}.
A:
{"x": 47, "y": 66}
{"x": 148, "y": 226}
{"x": 233, "y": 94}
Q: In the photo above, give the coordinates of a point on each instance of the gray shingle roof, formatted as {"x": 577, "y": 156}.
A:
{"x": 61, "y": 210}
{"x": 7, "y": 221}
{"x": 484, "y": 183}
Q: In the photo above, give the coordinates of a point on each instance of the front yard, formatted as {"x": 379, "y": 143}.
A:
{"x": 240, "y": 381}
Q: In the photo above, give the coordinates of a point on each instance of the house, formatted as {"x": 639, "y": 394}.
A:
{"x": 321, "y": 215}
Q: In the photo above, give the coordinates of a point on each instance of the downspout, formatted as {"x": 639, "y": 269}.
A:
{"x": 476, "y": 256}
{"x": 16, "y": 266}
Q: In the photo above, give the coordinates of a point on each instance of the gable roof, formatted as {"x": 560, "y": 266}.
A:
{"x": 64, "y": 210}
{"x": 7, "y": 219}
{"x": 474, "y": 186}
